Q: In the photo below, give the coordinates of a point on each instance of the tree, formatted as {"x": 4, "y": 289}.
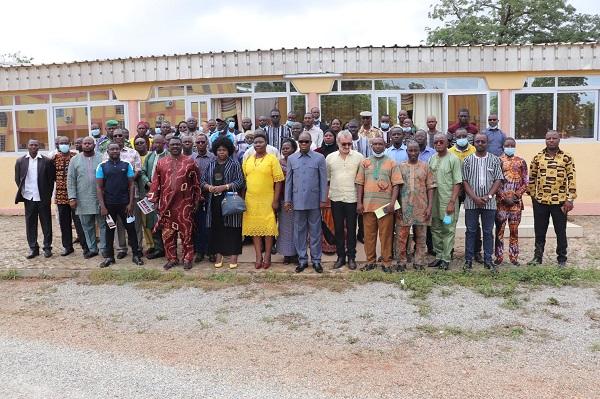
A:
{"x": 510, "y": 22}
{"x": 14, "y": 58}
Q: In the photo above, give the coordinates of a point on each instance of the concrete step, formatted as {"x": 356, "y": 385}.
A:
{"x": 526, "y": 228}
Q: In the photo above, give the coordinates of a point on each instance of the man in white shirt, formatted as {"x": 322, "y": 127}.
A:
{"x": 316, "y": 134}
{"x": 34, "y": 176}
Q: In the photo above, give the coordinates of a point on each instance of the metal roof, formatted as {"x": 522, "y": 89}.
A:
{"x": 343, "y": 60}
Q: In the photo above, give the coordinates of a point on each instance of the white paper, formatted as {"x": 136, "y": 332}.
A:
{"x": 379, "y": 212}
{"x": 145, "y": 206}
{"x": 110, "y": 222}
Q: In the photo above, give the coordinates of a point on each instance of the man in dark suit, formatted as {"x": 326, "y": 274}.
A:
{"x": 34, "y": 176}
{"x": 316, "y": 113}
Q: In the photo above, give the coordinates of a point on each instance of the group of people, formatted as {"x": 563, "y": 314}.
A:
{"x": 307, "y": 187}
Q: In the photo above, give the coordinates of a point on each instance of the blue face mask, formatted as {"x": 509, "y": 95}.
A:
{"x": 231, "y": 125}
{"x": 64, "y": 148}
{"x": 509, "y": 151}
{"x": 157, "y": 130}
{"x": 385, "y": 126}
{"x": 407, "y": 129}
{"x": 95, "y": 132}
{"x": 289, "y": 123}
{"x": 462, "y": 142}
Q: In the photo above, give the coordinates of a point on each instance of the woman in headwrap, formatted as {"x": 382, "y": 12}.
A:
{"x": 329, "y": 146}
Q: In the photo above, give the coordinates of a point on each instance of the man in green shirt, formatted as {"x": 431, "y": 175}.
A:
{"x": 447, "y": 170}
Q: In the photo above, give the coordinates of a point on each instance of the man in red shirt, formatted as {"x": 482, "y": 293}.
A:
{"x": 463, "y": 121}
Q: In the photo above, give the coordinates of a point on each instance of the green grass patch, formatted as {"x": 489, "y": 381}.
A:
{"x": 595, "y": 347}
{"x": 10, "y": 274}
{"x": 513, "y": 331}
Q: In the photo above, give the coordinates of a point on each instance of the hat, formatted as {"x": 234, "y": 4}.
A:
{"x": 111, "y": 122}
{"x": 219, "y": 120}
{"x": 366, "y": 113}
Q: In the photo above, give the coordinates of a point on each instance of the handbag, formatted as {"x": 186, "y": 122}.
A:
{"x": 232, "y": 204}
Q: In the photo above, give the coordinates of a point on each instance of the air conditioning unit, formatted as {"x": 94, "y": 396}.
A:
{"x": 68, "y": 119}
{"x": 169, "y": 104}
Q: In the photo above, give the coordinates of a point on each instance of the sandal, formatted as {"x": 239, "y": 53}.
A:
{"x": 233, "y": 265}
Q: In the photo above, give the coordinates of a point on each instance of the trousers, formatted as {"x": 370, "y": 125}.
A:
{"x": 384, "y": 227}
{"x": 201, "y": 231}
{"x": 443, "y": 237}
{"x": 344, "y": 222}
{"x": 488, "y": 217}
{"x": 35, "y": 210}
{"x": 118, "y": 212}
{"x": 307, "y": 223}
{"x": 420, "y": 237}
{"x": 541, "y": 220}
{"x": 513, "y": 218}
{"x": 66, "y": 218}
{"x": 88, "y": 224}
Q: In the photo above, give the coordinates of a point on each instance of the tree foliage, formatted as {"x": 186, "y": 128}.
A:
{"x": 14, "y": 58}
{"x": 510, "y": 22}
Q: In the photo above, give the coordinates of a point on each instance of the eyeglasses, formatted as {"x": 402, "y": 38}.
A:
{"x": 345, "y": 144}
{"x": 439, "y": 142}
{"x": 200, "y": 142}
{"x": 303, "y": 141}
{"x": 492, "y": 120}
{"x": 117, "y": 135}
{"x": 275, "y": 116}
{"x": 480, "y": 141}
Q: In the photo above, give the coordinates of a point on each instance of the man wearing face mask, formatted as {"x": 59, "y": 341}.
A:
{"x": 402, "y": 115}
{"x": 66, "y": 215}
{"x": 495, "y": 136}
{"x": 95, "y": 132}
{"x": 462, "y": 148}
{"x": 384, "y": 126}
{"x": 228, "y": 131}
{"x": 291, "y": 119}
{"x": 408, "y": 130}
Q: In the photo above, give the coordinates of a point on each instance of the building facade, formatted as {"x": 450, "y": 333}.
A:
{"x": 532, "y": 88}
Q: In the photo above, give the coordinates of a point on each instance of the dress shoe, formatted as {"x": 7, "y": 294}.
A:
{"x": 351, "y": 263}
{"x": 339, "y": 263}
{"x": 317, "y": 267}
{"x": 300, "y": 268}
{"x": 47, "y": 253}
{"x": 198, "y": 258}
{"x": 266, "y": 263}
{"x": 286, "y": 260}
{"x": 515, "y": 263}
{"x": 156, "y": 254}
{"x": 368, "y": 267}
{"x": 33, "y": 253}
{"x": 187, "y": 265}
{"x": 137, "y": 260}
{"x": 498, "y": 261}
{"x": 360, "y": 239}
{"x": 67, "y": 252}
{"x": 490, "y": 266}
{"x": 434, "y": 263}
{"x": 90, "y": 254}
{"x": 444, "y": 265}
{"x": 534, "y": 262}
{"x": 478, "y": 258}
{"x": 401, "y": 267}
{"x": 170, "y": 264}
{"x": 386, "y": 269}
{"x": 121, "y": 255}
{"x": 468, "y": 266}
{"x": 107, "y": 262}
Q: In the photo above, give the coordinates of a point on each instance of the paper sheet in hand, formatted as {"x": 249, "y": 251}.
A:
{"x": 379, "y": 212}
{"x": 145, "y": 206}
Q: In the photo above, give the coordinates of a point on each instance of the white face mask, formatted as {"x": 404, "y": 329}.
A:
{"x": 381, "y": 154}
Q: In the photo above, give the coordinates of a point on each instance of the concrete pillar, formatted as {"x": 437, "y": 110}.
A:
{"x": 134, "y": 116}
{"x": 505, "y": 116}
{"x": 313, "y": 101}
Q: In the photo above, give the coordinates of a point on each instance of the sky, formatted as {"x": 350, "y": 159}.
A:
{"x": 65, "y": 30}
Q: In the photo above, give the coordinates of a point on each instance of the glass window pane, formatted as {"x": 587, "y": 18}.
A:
{"x": 348, "y": 85}
{"x": 170, "y": 91}
{"x": 389, "y": 106}
{"x": 157, "y": 111}
{"x": 100, "y": 95}
{"x": 546, "y": 81}
{"x": 6, "y": 100}
{"x": 263, "y": 106}
{"x": 101, "y": 114}
{"x": 410, "y": 84}
{"x": 493, "y": 106}
{"x": 69, "y": 97}
{"x": 298, "y": 106}
{"x": 344, "y": 107}
{"x": 533, "y": 115}
{"x": 32, "y": 124}
{"x": 466, "y": 83}
{"x": 575, "y": 117}
{"x": 219, "y": 88}
{"x": 7, "y": 139}
{"x": 71, "y": 122}
{"x": 200, "y": 112}
{"x": 31, "y": 99}
{"x": 475, "y": 103}
{"x": 270, "y": 87}
{"x": 579, "y": 81}
{"x": 293, "y": 88}
{"x": 335, "y": 85}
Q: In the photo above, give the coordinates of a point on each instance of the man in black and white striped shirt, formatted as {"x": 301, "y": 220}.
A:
{"x": 276, "y": 132}
{"x": 482, "y": 176}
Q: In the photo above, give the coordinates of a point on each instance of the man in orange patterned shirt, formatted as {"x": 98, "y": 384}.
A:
{"x": 378, "y": 183}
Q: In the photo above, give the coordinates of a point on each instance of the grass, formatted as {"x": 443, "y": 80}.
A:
{"x": 512, "y": 303}
{"x": 552, "y": 301}
{"x": 513, "y": 331}
{"x": 10, "y": 274}
{"x": 419, "y": 284}
{"x": 595, "y": 347}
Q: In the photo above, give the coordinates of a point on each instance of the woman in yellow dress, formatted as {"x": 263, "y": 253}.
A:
{"x": 264, "y": 179}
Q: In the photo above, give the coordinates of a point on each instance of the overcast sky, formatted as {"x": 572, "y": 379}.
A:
{"x": 65, "y": 30}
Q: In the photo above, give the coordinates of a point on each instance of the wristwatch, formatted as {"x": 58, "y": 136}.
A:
{"x": 490, "y": 196}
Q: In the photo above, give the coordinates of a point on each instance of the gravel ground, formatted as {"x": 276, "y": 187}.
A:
{"x": 73, "y": 340}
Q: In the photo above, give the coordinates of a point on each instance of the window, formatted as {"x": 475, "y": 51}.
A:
{"x": 575, "y": 116}
{"x": 466, "y": 83}
{"x": 32, "y": 124}
{"x": 579, "y": 81}
{"x": 100, "y": 114}
{"x": 32, "y": 99}
{"x": 6, "y": 100}
{"x": 350, "y": 85}
{"x": 388, "y": 105}
{"x": 345, "y": 107}
{"x": 71, "y": 122}
{"x": 171, "y": 91}
{"x": 533, "y": 115}
{"x": 493, "y": 105}
{"x": 298, "y": 106}
{"x": 219, "y": 88}
{"x": 119, "y": 110}
{"x": 546, "y": 81}
{"x": 169, "y": 110}
{"x": 101, "y": 95}
{"x": 7, "y": 140}
{"x": 475, "y": 103}
{"x": 270, "y": 87}
{"x": 410, "y": 84}
{"x": 263, "y": 106}
{"x": 69, "y": 97}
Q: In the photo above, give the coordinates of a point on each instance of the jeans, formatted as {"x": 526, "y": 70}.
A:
{"x": 88, "y": 223}
{"x": 488, "y": 217}
{"x": 118, "y": 211}
{"x": 344, "y": 221}
{"x": 541, "y": 219}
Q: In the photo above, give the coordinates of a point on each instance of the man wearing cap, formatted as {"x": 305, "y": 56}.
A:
{"x": 227, "y": 131}
{"x": 103, "y": 141}
{"x": 367, "y": 130}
